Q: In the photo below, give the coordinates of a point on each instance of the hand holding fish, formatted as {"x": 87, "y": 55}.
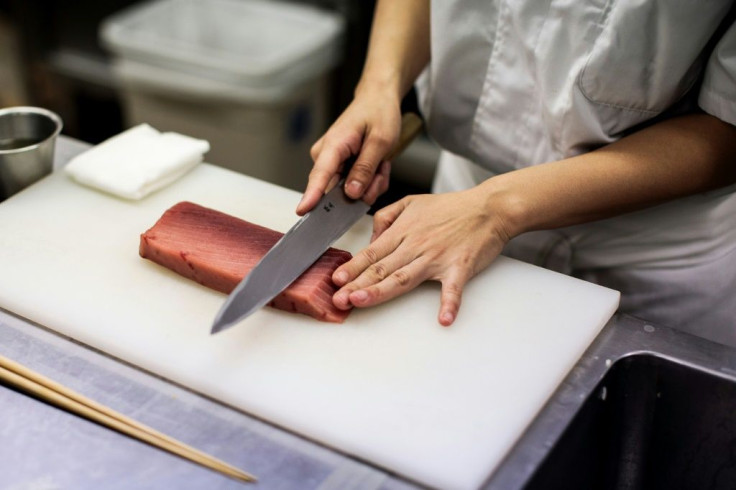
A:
{"x": 445, "y": 237}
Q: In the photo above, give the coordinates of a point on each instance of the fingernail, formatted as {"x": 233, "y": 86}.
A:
{"x": 340, "y": 278}
{"x": 446, "y": 318}
{"x": 340, "y": 299}
{"x": 360, "y": 296}
{"x": 355, "y": 187}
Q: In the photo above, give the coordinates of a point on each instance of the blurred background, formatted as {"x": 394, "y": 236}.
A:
{"x": 260, "y": 79}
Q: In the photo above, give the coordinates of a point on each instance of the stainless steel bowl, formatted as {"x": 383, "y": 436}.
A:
{"x": 27, "y": 142}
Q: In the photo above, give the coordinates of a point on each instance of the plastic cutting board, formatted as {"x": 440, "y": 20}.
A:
{"x": 440, "y": 406}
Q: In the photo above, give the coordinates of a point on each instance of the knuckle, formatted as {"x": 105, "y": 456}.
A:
{"x": 401, "y": 278}
{"x": 363, "y": 169}
{"x": 370, "y": 255}
{"x": 339, "y": 146}
{"x": 381, "y": 215}
{"x": 375, "y": 293}
{"x": 381, "y": 139}
{"x": 314, "y": 150}
{"x": 453, "y": 290}
{"x": 378, "y": 271}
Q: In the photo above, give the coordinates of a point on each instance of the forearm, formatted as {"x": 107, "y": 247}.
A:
{"x": 671, "y": 159}
{"x": 399, "y": 47}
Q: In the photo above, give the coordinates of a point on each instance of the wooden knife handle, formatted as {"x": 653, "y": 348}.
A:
{"x": 411, "y": 125}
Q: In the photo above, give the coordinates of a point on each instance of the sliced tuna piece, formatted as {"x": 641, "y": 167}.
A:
{"x": 217, "y": 250}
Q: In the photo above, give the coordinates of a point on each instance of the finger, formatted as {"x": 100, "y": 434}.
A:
{"x": 399, "y": 282}
{"x": 351, "y": 269}
{"x": 380, "y": 270}
{"x": 377, "y": 273}
{"x": 451, "y": 296}
{"x": 333, "y": 182}
{"x": 316, "y": 148}
{"x": 319, "y": 178}
{"x": 380, "y": 183}
{"x": 385, "y": 217}
{"x": 313, "y": 193}
{"x": 375, "y": 147}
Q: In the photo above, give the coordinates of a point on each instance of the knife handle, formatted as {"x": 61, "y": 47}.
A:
{"x": 411, "y": 125}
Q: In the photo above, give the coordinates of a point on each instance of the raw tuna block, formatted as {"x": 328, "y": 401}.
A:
{"x": 217, "y": 250}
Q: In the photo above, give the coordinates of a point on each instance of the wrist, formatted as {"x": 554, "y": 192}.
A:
{"x": 384, "y": 86}
{"x": 503, "y": 200}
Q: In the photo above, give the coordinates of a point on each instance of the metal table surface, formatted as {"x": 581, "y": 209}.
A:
{"x": 47, "y": 448}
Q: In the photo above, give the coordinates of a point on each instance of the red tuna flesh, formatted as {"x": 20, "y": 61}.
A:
{"x": 217, "y": 250}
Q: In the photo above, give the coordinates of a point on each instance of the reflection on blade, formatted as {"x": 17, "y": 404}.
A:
{"x": 298, "y": 249}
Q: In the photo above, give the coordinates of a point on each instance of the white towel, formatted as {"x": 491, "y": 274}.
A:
{"x": 137, "y": 162}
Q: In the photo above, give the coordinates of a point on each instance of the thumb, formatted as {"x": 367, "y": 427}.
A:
{"x": 385, "y": 217}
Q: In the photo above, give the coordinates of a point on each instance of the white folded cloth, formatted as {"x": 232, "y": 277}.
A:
{"x": 137, "y": 162}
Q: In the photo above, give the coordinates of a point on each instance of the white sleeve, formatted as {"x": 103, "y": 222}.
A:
{"x": 718, "y": 92}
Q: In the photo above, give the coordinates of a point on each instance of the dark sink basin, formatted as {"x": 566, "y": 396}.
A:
{"x": 651, "y": 423}
{"x": 646, "y": 407}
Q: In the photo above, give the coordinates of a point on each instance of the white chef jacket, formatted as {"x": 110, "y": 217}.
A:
{"x": 514, "y": 84}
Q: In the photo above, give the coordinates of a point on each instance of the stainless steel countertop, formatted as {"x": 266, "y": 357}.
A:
{"x": 44, "y": 447}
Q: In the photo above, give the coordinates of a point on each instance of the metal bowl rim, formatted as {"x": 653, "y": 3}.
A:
{"x": 20, "y": 110}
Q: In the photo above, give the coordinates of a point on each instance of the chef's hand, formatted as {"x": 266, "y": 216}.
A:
{"x": 368, "y": 128}
{"x": 444, "y": 237}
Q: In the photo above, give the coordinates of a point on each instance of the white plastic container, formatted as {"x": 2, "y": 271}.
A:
{"x": 250, "y": 76}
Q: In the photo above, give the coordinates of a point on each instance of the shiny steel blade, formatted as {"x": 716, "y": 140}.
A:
{"x": 298, "y": 249}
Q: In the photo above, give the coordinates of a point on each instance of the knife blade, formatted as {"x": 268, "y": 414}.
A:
{"x": 303, "y": 244}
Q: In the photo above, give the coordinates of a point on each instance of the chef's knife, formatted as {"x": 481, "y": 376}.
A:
{"x": 303, "y": 244}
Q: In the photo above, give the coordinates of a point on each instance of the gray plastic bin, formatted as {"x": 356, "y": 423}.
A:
{"x": 250, "y": 76}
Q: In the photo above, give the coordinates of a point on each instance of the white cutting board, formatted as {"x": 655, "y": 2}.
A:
{"x": 438, "y": 405}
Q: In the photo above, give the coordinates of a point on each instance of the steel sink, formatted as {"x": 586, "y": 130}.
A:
{"x": 650, "y": 423}
{"x": 646, "y": 408}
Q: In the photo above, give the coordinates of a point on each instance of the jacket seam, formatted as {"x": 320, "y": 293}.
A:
{"x": 500, "y": 32}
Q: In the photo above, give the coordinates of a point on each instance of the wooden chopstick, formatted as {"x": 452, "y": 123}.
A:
{"x": 52, "y": 392}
